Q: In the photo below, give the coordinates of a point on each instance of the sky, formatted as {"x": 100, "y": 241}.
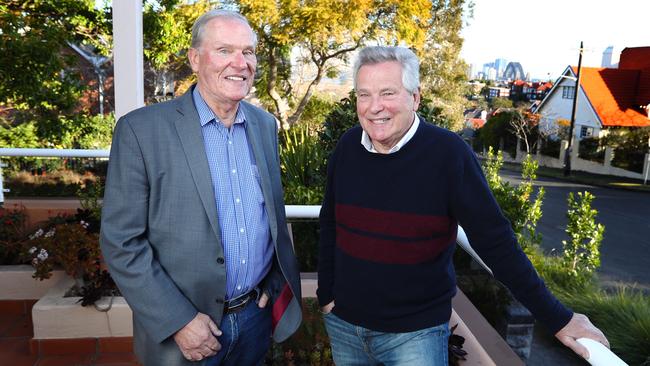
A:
{"x": 544, "y": 35}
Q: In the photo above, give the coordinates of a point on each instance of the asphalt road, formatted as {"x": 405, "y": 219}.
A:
{"x": 625, "y": 250}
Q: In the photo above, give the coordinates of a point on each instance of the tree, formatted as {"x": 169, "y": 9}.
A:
{"x": 167, "y": 33}
{"x": 525, "y": 126}
{"x": 37, "y": 76}
{"x": 443, "y": 71}
{"x": 326, "y": 31}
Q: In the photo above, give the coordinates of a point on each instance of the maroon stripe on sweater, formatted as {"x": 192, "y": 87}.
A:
{"x": 391, "y": 251}
{"x": 391, "y": 223}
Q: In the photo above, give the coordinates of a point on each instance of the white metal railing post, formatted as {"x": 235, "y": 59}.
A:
{"x": 2, "y": 191}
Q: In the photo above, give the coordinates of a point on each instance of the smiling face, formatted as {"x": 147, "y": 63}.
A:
{"x": 385, "y": 108}
{"x": 225, "y": 64}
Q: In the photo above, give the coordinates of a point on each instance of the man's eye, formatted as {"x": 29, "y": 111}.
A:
{"x": 249, "y": 53}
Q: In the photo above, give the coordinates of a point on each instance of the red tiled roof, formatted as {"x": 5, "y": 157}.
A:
{"x": 613, "y": 95}
{"x": 519, "y": 82}
{"x": 477, "y": 123}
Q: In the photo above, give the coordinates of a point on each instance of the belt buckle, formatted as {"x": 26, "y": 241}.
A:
{"x": 243, "y": 300}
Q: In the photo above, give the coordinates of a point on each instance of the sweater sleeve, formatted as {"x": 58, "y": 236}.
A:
{"x": 327, "y": 243}
{"x": 491, "y": 235}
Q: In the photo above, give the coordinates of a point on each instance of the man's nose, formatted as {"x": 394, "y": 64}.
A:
{"x": 239, "y": 60}
{"x": 376, "y": 105}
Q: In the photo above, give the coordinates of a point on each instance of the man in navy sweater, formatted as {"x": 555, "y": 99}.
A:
{"x": 397, "y": 187}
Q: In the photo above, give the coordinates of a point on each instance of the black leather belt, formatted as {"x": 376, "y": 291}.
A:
{"x": 238, "y": 303}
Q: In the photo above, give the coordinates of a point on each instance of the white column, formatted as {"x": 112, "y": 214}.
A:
{"x": 127, "y": 56}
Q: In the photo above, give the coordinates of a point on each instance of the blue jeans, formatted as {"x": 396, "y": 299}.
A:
{"x": 246, "y": 337}
{"x": 354, "y": 345}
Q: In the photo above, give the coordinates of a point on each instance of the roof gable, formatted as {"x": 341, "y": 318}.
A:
{"x": 612, "y": 95}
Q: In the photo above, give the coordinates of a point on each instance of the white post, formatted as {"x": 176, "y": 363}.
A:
{"x": 2, "y": 191}
{"x": 127, "y": 56}
{"x": 645, "y": 174}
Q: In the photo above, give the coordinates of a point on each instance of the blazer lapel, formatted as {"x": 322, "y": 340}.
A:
{"x": 189, "y": 131}
{"x": 253, "y": 132}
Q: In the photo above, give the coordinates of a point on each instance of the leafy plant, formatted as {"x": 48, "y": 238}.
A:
{"x": 624, "y": 316}
{"x": 581, "y": 255}
{"x": 517, "y": 202}
{"x": 12, "y": 231}
{"x": 301, "y": 163}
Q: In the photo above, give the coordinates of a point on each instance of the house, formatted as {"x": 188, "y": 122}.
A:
{"x": 498, "y": 92}
{"x": 608, "y": 98}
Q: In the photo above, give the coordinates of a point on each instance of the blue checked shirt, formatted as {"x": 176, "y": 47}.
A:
{"x": 245, "y": 231}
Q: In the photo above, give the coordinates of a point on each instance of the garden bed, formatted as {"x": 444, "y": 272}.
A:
{"x": 17, "y": 283}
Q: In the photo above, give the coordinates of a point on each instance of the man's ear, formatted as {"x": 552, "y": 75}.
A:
{"x": 193, "y": 56}
{"x": 416, "y": 99}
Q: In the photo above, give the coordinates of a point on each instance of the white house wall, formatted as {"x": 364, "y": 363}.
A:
{"x": 556, "y": 107}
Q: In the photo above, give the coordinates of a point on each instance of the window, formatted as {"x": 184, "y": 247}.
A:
{"x": 586, "y": 131}
{"x": 568, "y": 92}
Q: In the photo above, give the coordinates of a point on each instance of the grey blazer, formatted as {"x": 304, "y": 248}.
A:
{"x": 160, "y": 234}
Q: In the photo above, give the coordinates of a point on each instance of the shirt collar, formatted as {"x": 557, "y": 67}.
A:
{"x": 367, "y": 142}
{"x": 205, "y": 113}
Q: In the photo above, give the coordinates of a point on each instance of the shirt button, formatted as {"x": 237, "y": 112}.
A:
{"x": 241, "y": 230}
{"x": 238, "y": 287}
{"x": 230, "y": 142}
{"x": 243, "y": 261}
{"x": 234, "y": 171}
{"x": 237, "y": 200}
{"x": 220, "y": 260}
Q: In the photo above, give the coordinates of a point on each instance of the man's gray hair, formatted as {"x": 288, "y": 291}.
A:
{"x": 407, "y": 59}
{"x": 200, "y": 23}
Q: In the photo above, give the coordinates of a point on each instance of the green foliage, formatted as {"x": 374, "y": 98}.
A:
{"x": 308, "y": 346}
{"x": 12, "y": 231}
{"x": 591, "y": 148}
{"x": 581, "y": 255}
{"x": 435, "y": 114}
{"x": 517, "y": 202}
{"x": 316, "y": 112}
{"x": 60, "y": 183}
{"x": 301, "y": 163}
{"x": 497, "y": 130}
{"x": 38, "y": 78}
{"x": 630, "y": 146}
{"x": 500, "y": 103}
{"x": 624, "y": 316}
{"x": 442, "y": 69}
{"x": 91, "y": 197}
{"x": 342, "y": 118}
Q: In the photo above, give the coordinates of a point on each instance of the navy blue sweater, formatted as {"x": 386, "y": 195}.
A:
{"x": 388, "y": 232}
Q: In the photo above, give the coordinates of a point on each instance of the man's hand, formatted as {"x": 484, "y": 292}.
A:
{"x": 580, "y": 327}
{"x": 197, "y": 339}
{"x": 264, "y": 299}
{"x": 327, "y": 308}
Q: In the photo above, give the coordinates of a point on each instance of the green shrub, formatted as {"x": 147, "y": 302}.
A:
{"x": 342, "y": 118}
{"x": 550, "y": 147}
{"x": 581, "y": 254}
{"x": 517, "y": 202}
{"x": 302, "y": 162}
{"x": 623, "y": 316}
{"x": 591, "y": 148}
{"x": 12, "y": 232}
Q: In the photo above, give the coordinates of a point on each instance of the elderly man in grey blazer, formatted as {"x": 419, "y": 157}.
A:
{"x": 193, "y": 226}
